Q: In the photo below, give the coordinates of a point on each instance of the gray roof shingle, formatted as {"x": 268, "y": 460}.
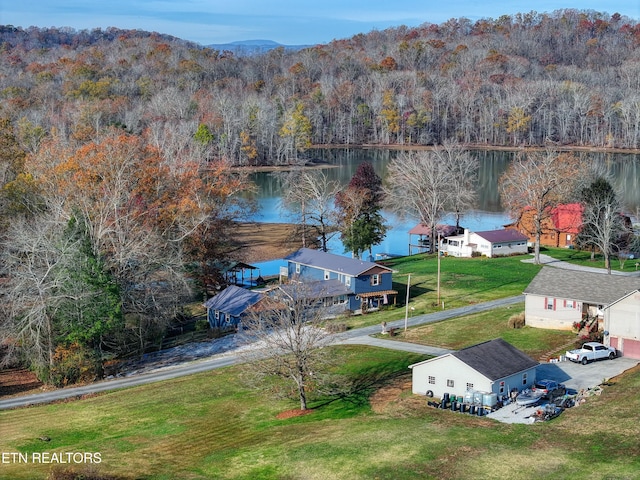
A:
{"x": 495, "y": 359}
{"x": 503, "y": 235}
{"x": 335, "y": 263}
{"x": 589, "y": 287}
{"x": 233, "y": 300}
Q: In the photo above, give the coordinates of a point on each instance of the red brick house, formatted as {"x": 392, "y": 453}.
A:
{"x": 559, "y": 229}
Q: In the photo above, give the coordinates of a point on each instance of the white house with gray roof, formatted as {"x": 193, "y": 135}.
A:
{"x": 494, "y": 366}
{"x": 557, "y": 298}
{"x": 490, "y": 243}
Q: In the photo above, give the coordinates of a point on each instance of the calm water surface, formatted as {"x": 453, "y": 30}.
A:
{"x": 489, "y": 214}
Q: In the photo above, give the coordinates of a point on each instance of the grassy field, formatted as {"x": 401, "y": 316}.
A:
{"x": 472, "y": 329}
{"x": 463, "y": 281}
{"x": 583, "y": 258}
{"x": 212, "y": 426}
{"x": 215, "y": 426}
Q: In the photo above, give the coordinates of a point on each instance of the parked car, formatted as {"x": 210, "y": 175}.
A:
{"x": 540, "y": 390}
{"x": 591, "y": 351}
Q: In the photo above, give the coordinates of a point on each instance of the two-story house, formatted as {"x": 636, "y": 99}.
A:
{"x": 355, "y": 284}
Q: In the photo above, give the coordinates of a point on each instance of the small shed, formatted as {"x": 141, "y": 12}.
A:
{"x": 494, "y": 366}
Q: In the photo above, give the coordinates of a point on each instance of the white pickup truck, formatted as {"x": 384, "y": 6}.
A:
{"x": 591, "y": 351}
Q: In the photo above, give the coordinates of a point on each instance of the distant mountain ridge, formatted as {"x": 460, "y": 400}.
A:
{"x": 253, "y": 47}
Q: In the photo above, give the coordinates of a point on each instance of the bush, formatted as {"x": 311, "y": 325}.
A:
{"x": 516, "y": 321}
{"x": 87, "y": 473}
{"x": 74, "y": 363}
{"x": 202, "y": 325}
{"x": 336, "y": 327}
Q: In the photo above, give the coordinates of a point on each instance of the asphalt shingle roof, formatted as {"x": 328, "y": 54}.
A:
{"x": 589, "y": 287}
{"x": 503, "y": 235}
{"x": 233, "y": 300}
{"x": 495, "y": 359}
{"x": 335, "y": 263}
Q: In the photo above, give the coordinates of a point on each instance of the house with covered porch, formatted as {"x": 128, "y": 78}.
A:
{"x": 350, "y": 283}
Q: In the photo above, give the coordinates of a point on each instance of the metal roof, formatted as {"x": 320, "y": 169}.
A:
{"x": 233, "y": 300}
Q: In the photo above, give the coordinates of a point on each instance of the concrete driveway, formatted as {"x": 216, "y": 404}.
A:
{"x": 574, "y": 375}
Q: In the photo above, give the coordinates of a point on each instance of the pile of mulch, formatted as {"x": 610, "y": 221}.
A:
{"x": 293, "y": 413}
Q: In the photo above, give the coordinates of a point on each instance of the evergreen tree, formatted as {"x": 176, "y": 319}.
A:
{"x": 359, "y": 205}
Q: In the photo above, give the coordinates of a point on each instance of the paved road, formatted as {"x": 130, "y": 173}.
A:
{"x": 359, "y": 336}
{"x": 552, "y": 262}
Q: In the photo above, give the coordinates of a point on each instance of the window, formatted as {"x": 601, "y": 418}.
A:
{"x": 297, "y": 268}
{"x": 449, "y": 383}
{"x": 570, "y": 303}
{"x": 549, "y": 304}
{"x": 524, "y": 379}
{"x": 340, "y": 300}
{"x": 327, "y": 274}
{"x": 375, "y": 279}
{"x": 501, "y": 387}
{"x": 432, "y": 380}
{"x": 469, "y": 386}
{"x": 217, "y": 314}
{"x": 347, "y": 281}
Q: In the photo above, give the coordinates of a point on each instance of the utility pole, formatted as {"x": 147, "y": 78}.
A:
{"x": 406, "y": 303}
{"x": 438, "y": 253}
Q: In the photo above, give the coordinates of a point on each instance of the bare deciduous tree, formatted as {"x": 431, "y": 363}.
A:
{"x": 538, "y": 182}
{"x": 603, "y": 226}
{"x": 309, "y": 195}
{"x": 429, "y": 184}
{"x": 288, "y": 339}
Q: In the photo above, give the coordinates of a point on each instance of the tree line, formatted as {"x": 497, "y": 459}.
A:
{"x": 563, "y": 78}
{"x": 118, "y": 192}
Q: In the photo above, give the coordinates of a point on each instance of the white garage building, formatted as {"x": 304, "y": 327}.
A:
{"x": 494, "y": 366}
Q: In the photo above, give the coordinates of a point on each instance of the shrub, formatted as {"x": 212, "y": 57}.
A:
{"x": 74, "y": 363}
{"x": 336, "y": 327}
{"x": 87, "y": 473}
{"x": 202, "y": 324}
{"x": 516, "y": 321}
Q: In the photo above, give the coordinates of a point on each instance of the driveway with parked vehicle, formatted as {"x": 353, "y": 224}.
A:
{"x": 575, "y": 377}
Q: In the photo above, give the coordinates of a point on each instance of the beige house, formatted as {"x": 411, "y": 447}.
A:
{"x": 622, "y": 324}
{"x": 558, "y": 298}
{"x": 491, "y": 367}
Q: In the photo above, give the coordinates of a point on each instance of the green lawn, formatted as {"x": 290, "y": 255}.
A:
{"x": 463, "y": 281}
{"x": 212, "y": 426}
{"x": 583, "y": 258}
{"x": 470, "y": 330}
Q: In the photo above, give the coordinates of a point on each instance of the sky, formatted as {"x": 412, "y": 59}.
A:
{"x": 289, "y": 22}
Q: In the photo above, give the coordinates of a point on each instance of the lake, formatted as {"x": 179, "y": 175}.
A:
{"x": 624, "y": 170}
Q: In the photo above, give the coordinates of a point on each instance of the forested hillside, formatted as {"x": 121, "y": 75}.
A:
{"x": 568, "y": 77}
{"x": 118, "y": 192}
